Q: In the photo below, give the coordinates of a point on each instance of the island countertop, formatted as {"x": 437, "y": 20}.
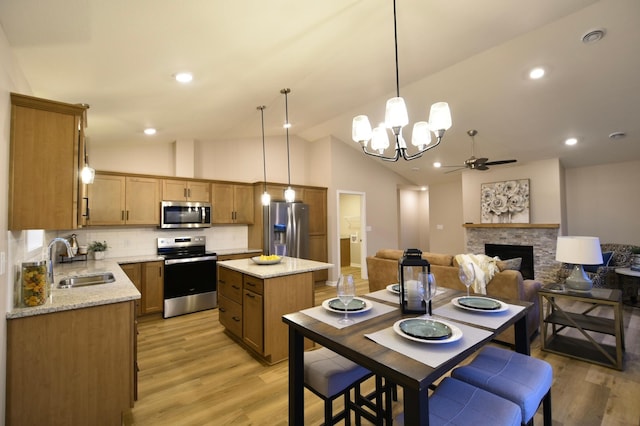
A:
{"x": 288, "y": 266}
{"x": 64, "y": 299}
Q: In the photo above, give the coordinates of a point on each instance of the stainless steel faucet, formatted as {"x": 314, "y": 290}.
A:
{"x": 51, "y": 257}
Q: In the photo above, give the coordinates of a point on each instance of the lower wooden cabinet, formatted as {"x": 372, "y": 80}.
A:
{"x": 71, "y": 367}
{"x": 251, "y": 309}
{"x": 148, "y": 277}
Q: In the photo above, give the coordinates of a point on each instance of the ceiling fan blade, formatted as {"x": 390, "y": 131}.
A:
{"x": 495, "y": 163}
{"x": 481, "y": 160}
{"x": 481, "y": 167}
{"x": 451, "y": 171}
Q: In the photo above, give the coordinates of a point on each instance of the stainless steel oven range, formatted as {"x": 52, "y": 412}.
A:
{"x": 190, "y": 275}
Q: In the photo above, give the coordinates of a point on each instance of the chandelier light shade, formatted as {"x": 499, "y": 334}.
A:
{"x": 579, "y": 251}
{"x": 289, "y": 193}
{"x": 396, "y": 118}
{"x": 265, "y": 198}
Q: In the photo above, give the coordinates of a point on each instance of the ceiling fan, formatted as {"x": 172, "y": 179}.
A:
{"x": 474, "y": 163}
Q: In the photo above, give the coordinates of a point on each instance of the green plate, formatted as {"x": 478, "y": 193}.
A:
{"x": 426, "y": 329}
{"x": 354, "y": 305}
{"x": 479, "y": 303}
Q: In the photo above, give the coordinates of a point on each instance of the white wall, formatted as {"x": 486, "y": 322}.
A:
{"x": 445, "y": 218}
{"x": 410, "y": 222}
{"x": 604, "y": 201}
{"x": 11, "y": 80}
{"x": 544, "y": 193}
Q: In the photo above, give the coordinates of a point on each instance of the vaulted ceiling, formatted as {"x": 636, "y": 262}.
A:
{"x": 337, "y": 56}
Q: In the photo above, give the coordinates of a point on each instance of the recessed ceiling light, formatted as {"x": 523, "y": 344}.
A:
{"x": 423, "y": 188}
{"x": 150, "y": 131}
{"x": 536, "y": 73}
{"x": 437, "y": 164}
{"x": 593, "y": 36}
{"x": 571, "y": 141}
{"x": 184, "y": 77}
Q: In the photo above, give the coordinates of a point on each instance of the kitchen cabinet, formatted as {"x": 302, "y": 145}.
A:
{"x": 232, "y": 203}
{"x": 148, "y": 277}
{"x": 46, "y": 154}
{"x": 116, "y": 199}
{"x": 186, "y": 190}
{"x": 73, "y": 367}
{"x": 251, "y": 308}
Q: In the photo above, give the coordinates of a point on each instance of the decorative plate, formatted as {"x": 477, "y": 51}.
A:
{"x": 479, "y": 304}
{"x": 259, "y": 261}
{"x": 425, "y": 330}
{"x": 356, "y": 306}
{"x": 394, "y": 288}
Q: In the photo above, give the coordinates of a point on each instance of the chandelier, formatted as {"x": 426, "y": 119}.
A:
{"x": 396, "y": 118}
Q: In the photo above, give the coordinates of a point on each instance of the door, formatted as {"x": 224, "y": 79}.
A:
{"x": 352, "y": 226}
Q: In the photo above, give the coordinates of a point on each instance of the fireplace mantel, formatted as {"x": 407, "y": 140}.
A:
{"x": 513, "y": 225}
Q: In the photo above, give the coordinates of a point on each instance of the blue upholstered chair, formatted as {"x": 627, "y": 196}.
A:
{"x": 456, "y": 403}
{"x": 522, "y": 379}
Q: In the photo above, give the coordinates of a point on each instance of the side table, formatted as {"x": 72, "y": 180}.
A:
{"x": 628, "y": 275}
{"x": 555, "y": 317}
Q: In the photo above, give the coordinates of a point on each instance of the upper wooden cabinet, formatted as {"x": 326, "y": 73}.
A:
{"x": 232, "y": 203}
{"x": 186, "y": 190}
{"x": 124, "y": 200}
{"x": 47, "y": 142}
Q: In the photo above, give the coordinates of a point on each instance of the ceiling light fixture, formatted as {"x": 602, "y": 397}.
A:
{"x": 184, "y": 77}
{"x": 396, "y": 118}
{"x": 150, "y": 131}
{"x": 593, "y": 36}
{"x": 266, "y": 198}
{"x": 289, "y": 193}
{"x": 536, "y": 73}
{"x": 437, "y": 164}
{"x": 88, "y": 173}
{"x": 571, "y": 141}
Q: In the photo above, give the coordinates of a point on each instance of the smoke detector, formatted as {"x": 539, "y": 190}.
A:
{"x": 593, "y": 36}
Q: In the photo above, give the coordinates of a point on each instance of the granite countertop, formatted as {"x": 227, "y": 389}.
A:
{"x": 288, "y": 266}
{"x": 238, "y": 251}
{"x": 64, "y": 299}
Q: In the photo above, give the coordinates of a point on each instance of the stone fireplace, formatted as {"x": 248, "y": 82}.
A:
{"x": 541, "y": 236}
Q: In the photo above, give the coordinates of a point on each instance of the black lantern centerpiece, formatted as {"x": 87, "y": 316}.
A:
{"x": 411, "y": 295}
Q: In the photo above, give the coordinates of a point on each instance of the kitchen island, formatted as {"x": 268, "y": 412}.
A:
{"x": 71, "y": 361}
{"x": 253, "y": 298}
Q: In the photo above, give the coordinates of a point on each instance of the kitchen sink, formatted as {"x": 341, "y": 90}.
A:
{"x": 95, "y": 279}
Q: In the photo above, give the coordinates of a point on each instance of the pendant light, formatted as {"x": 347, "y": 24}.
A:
{"x": 289, "y": 193}
{"x": 87, "y": 174}
{"x": 396, "y": 118}
{"x": 266, "y": 198}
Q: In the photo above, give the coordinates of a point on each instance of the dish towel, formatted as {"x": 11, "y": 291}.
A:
{"x": 485, "y": 268}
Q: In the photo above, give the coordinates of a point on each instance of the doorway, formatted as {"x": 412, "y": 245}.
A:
{"x": 351, "y": 236}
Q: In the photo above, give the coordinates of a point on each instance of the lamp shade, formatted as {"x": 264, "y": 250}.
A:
{"x": 380, "y": 139}
{"x": 396, "y": 113}
{"x": 440, "y": 116}
{"x": 361, "y": 129}
{"x": 579, "y": 250}
{"x": 421, "y": 135}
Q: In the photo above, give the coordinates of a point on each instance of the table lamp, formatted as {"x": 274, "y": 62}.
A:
{"x": 579, "y": 251}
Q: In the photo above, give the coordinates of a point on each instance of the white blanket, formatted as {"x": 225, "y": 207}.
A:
{"x": 485, "y": 268}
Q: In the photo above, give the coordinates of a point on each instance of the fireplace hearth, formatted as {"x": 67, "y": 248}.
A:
{"x": 509, "y": 251}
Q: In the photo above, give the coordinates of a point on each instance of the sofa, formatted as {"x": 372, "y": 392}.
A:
{"x": 508, "y": 283}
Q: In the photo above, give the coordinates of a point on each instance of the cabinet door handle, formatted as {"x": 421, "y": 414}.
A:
{"x": 127, "y": 214}
{"x": 249, "y": 295}
{"x": 86, "y": 207}
{"x": 221, "y": 309}
{"x": 184, "y": 192}
{"x": 121, "y": 214}
{"x": 235, "y": 286}
{"x": 189, "y": 192}
{"x": 251, "y": 284}
{"x": 237, "y": 319}
{"x": 222, "y": 281}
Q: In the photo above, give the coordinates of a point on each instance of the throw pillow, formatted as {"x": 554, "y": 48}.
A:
{"x": 606, "y": 258}
{"x": 511, "y": 264}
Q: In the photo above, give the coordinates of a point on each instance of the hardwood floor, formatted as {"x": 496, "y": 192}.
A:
{"x": 192, "y": 373}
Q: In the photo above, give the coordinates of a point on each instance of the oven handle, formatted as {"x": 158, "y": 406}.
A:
{"x": 190, "y": 260}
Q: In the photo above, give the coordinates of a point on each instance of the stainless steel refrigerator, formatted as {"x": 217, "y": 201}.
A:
{"x": 288, "y": 224}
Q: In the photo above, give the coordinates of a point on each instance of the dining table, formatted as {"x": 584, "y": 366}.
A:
{"x": 374, "y": 342}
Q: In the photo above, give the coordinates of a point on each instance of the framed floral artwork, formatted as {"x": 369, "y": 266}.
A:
{"x": 505, "y": 202}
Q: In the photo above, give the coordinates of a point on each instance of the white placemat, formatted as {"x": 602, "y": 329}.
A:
{"x": 429, "y": 353}
{"x": 387, "y": 296}
{"x": 331, "y": 318}
{"x": 487, "y": 319}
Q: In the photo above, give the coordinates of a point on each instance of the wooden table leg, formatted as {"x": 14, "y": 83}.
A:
{"x": 416, "y": 406}
{"x": 296, "y": 377}
{"x": 522, "y": 336}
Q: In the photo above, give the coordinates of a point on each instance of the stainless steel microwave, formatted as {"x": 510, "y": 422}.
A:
{"x": 185, "y": 214}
